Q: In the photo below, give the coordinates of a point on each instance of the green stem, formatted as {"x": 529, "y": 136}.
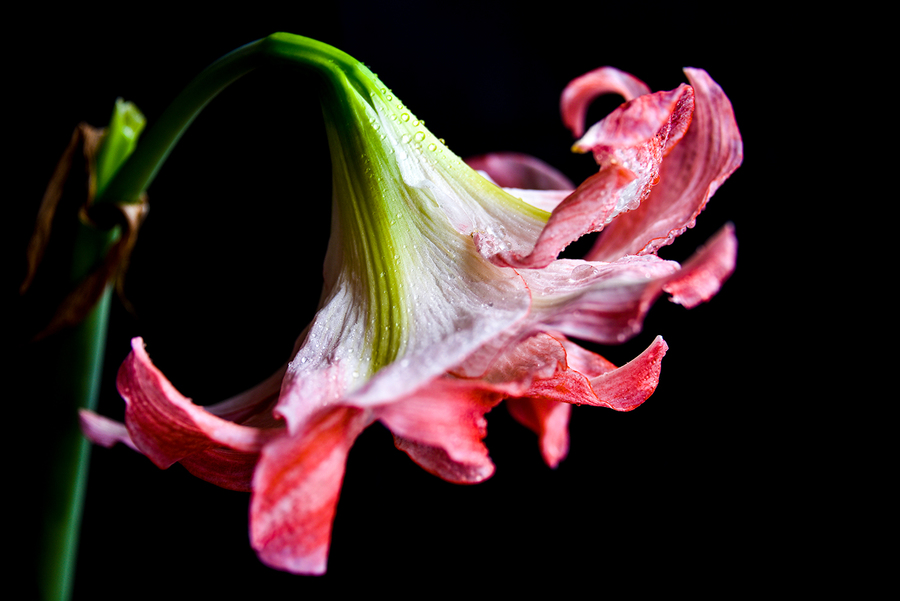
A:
{"x": 78, "y": 354}
{"x": 277, "y": 49}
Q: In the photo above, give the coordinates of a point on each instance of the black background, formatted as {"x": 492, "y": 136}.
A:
{"x": 687, "y": 489}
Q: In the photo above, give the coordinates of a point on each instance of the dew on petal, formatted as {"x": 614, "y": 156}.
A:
{"x": 582, "y": 272}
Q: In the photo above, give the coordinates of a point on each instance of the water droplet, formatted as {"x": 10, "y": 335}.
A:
{"x": 442, "y": 141}
{"x": 404, "y": 117}
{"x": 432, "y": 146}
{"x": 405, "y": 138}
{"x": 419, "y": 136}
{"x": 582, "y": 272}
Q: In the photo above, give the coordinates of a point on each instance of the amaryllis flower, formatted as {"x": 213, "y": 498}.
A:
{"x": 443, "y": 296}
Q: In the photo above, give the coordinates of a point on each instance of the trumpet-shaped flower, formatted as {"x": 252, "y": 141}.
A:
{"x": 443, "y": 296}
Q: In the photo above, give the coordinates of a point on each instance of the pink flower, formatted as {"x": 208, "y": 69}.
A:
{"x": 444, "y": 296}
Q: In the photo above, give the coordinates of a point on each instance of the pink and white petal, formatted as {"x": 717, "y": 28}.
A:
{"x": 629, "y": 144}
{"x": 449, "y": 313}
{"x": 441, "y": 427}
{"x": 704, "y": 273}
{"x": 518, "y": 170}
{"x": 167, "y": 427}
{"x": 549, "y": 420}
{"x": 296, "y": 488}
{"x": 581, "y": 91}
{"x": 600, "y": 302}
{"x": 708, "y": 154}
{"x": 102, "y": 430}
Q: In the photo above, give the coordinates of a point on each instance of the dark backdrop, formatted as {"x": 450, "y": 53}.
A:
{"x": 227, "y": 272}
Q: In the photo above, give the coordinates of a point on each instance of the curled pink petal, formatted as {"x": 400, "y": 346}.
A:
{"x": 295, "y": 491}
{"x": 517, "y": 170}
{"x": 702, "y": 276}
{"x": 625, "y": 388}
{"x": 442, "y": 426}
{"x": 589, "y": 379}
{"x": 167, "y": 427}
{"x": 581, "y": 91}
{"x": 630, "y": 145}
{"x": 709, "y": 152}
{"x": 622, "y": 388}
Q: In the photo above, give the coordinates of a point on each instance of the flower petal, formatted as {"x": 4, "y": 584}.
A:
{"x": 709, "y": 152}
{"x": 441, "y": 427}
{"x": 589, "y": 379}
{"x": 517, "y": 170}
{"x": 549, "y": 420}
{"x": 600, "y": 302}
{"x": 102, "y": 430}
{"x": 167, "y": 427}
{"x": 581, "y": 91}
{"x": 296, "y": 488}
{"x": 622, "y": 388}
{"x": 629, "y": 144}
{"x": 625, "y": 388}
{"x": 703, "y": 274}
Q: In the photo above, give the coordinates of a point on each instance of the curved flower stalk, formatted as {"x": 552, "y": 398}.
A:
{"x": 443, "y": 296}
